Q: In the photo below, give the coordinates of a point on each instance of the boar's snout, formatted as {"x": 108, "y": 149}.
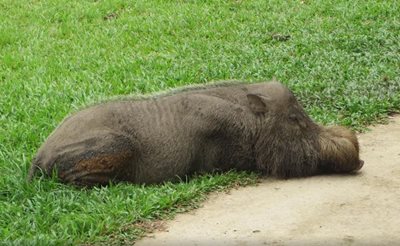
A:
{"x": 339, "y": 150}
{"x": 361, "y": 164}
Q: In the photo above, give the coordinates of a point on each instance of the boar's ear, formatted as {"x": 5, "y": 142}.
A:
{"x": 258, "y": 103}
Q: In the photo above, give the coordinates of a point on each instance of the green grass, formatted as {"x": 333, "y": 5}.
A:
{"x": 341, "y": 58}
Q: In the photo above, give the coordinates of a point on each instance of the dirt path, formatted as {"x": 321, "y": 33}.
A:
{"x": 327, "y": 210}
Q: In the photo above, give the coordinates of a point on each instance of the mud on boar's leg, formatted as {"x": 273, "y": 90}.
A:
{"x": 339, "y": 150}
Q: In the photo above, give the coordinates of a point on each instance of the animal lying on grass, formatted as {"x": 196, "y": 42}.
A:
{"x": 255, "y": 127}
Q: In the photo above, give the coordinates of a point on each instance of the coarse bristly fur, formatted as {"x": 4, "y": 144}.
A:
{"x": 255, "y": 127}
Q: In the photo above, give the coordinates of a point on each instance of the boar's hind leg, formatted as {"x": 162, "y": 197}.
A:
{"x": 100, "y": 160}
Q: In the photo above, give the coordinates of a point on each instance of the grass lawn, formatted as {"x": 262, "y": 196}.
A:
{"x": 341, "y": 58}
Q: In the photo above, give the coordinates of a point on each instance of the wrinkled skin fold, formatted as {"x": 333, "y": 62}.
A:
{"x": 219, "y": 127}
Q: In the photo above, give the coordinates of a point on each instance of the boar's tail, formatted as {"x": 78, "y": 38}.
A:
{"x": 33, "y": 169}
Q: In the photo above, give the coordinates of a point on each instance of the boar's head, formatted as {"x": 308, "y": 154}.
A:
{"x": 289, "y": 144}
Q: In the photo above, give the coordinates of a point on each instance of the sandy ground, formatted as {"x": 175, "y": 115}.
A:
{"x": 362, "y": 209}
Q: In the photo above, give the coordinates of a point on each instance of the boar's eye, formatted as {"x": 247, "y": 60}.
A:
{"x": 293, "y": 117}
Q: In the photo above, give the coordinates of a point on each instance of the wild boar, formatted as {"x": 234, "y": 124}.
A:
{"x": 218, "y": 127}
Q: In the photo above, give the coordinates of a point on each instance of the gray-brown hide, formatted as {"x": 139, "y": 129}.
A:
{"x": 218, "y": 127}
